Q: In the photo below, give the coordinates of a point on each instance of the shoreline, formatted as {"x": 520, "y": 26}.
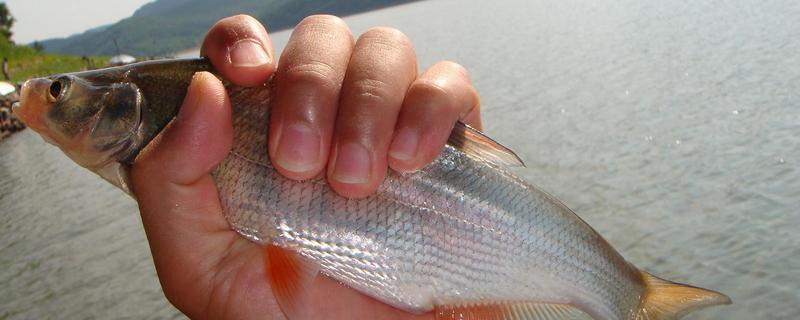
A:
{"x": 9, "y": 124}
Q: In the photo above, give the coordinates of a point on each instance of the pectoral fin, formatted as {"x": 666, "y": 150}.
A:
{"x": 475, "y": 143}
{"x": 291, "y": 276}
{"x": 510, "y": 311}
{"x": 118, "y": 174}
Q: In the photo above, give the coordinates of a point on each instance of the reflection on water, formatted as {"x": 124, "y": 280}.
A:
{"x": 671, "y": 127}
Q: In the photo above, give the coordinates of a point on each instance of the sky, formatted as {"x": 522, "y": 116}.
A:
{"x": 44, "y": 19}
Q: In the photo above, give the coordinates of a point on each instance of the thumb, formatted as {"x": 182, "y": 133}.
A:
{"x": 177, "y": 197}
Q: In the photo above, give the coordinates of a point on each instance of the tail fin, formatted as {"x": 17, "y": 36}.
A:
{"x": 665, "y": 300}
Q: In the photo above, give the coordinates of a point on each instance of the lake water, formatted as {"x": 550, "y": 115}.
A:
{"x": 670, "y": 126}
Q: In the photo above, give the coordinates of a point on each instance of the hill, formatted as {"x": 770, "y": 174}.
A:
{"x": 167, "y": 26}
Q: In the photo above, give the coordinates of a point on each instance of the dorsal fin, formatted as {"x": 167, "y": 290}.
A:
{"x": 475, "y": 143}
{"x": 510, "y": 311}
{"x": 665, "y": 300}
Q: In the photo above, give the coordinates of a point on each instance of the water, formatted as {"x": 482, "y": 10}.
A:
{"x": 671, "y": 127}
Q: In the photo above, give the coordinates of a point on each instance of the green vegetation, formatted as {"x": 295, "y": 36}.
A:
{"x": 6, "y": 22}
{"x": 25, "y": 62}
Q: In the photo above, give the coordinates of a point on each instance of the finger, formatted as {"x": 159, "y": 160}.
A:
{"x": 307, "y": 87}
{"x": 381, "y": 68}
{"x": 177, "y": 198}
{"x": 330, "y": 299}
{"x": 240, "y": 49}
{"x": 442, "y": 95}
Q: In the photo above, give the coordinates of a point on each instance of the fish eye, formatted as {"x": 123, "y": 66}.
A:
{"x": 57, "y": 88}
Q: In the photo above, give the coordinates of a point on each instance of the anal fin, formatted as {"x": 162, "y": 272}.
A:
{"x": 291, "y": 277}
{"x": 510, "y": 311}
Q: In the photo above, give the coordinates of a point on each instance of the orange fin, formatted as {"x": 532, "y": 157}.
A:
{"x": 473, "y": 142}
{"x": 665, "y": 300}
{"x": 510, "y": 311}
{"x": 291, "y": 276}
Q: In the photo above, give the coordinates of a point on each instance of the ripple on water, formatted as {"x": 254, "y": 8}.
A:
{"x": 709, "y": 196}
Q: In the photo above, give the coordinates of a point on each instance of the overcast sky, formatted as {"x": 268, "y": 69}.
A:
{"x": 44, "y": 19}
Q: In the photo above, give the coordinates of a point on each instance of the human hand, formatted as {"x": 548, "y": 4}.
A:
{"x": 347, "y": 109}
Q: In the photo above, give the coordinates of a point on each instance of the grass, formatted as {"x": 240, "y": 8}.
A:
{"x": 25, "y": 62}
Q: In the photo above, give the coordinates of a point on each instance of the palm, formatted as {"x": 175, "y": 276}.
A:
{"x": 243, "y": 271}
{"x": 209, "y": 271}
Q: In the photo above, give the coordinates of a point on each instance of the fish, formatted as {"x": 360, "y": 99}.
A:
{"x": 463, "y": 237}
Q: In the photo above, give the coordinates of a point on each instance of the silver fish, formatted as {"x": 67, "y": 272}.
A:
{"x": 463, "y": 236}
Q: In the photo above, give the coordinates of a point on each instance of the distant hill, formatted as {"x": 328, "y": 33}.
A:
{"x": 168, "y": 26}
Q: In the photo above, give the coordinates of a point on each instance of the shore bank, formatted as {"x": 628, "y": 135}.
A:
{"x": 9, "y": 123}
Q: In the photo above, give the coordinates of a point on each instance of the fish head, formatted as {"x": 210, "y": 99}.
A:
{"x": 107, "y": 115}
{"x": 103, "y": 118}
{"x": 93, "y": 119}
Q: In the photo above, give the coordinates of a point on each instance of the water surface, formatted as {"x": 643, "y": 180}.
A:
{"x": 670, "y": 126}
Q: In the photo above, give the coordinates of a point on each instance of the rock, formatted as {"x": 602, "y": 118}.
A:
{"x": 8, "y": 122}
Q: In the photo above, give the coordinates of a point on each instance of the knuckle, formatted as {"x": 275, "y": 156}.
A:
{"x": 372, "y": 90}
{"x": 386, "y": 36}
{"x": 429, "y": 88}
{"x": 231, "y": 29}
{"x": 237, "y": 21}
{"x": 454, "y": 67}
{"x": 325, "y": 28}
{"x": 315, "y": 72}
{"x": 384, "y": 31}
{"x": 323, "y": 19}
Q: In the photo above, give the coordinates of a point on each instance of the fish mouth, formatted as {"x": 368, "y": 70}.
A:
{"x": 31, "y": 107}
{"x": 32, "y": 103}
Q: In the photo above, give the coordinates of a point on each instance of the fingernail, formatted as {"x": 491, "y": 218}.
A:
{"x": 298, "y": 148}
{"x": 352, "y": 164}
{"x": 405, "y": 143}
{"x": 247, "y": 53}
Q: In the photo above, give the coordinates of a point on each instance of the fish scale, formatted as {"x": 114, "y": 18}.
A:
{"x": 477, "y": 215}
